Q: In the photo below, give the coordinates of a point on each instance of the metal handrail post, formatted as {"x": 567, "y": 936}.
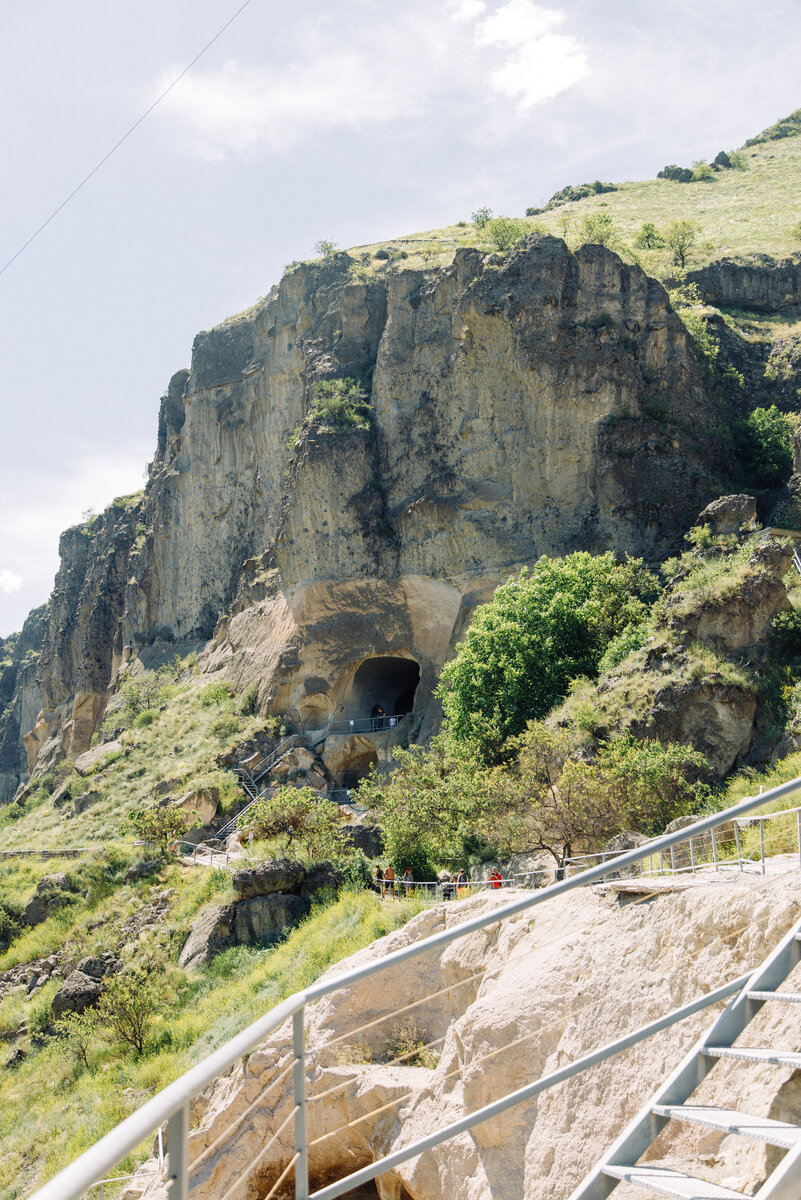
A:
{"x": 714, "y": 850}
{"x": 692, "y": 857}
{"x": 672, "y": 862}
{"x": 178, "y": 1153}
{"x": 762, "y": 843}
{"x": 798, "y": 833}
{"x": 737, "y": 840}
{"x": 299, "y": 1087}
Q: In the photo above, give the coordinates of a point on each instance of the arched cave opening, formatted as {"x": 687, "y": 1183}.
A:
{"x": 357, "y": 767}
{"x": 386, "y": 681}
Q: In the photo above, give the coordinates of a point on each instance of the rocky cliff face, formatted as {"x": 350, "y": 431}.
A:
{"x": 520, "y": 406}
{"x": 20, "y": 697}
{"x": 759, "y": 282}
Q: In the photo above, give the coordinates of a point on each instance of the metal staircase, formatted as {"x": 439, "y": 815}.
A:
{"x": 672, "y": 1102}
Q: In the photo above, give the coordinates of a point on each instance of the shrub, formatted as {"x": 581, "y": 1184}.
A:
{"x": 325, "y": 248}
{"x": 303, "y": 817}
{"x": 10, "y": 925}
{"x": 505, "y": 232}
{"x": 540, "y": 631}
{"x": 224, "y": 726}
{"x": 216, "y": 693}
{"x": 163, "y": 825}
{"x": 146, "y": 717}
{"x": 599, "y": 230}
{"x": 408, "y": 1043}
{"x": 680, "y": 239}
{"x": 340, "y": 404}
{"x": 249, "y": 699}
{"x": 481, "y": 217}
{"x": 570, "y": 194}
{"x": 702, "y": 172}
{"x": 127, "y": 1007}
{"x": 764, "y": 444}
{"x": 677, "y": 174}
{"x": 78, "y": 1031}
{"x": 649, "y": 237}
{"x": 786, "y": 630}
{"x": 630, "y": 639}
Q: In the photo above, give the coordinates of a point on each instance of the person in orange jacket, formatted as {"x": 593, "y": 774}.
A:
{"x": 495, "y": 878}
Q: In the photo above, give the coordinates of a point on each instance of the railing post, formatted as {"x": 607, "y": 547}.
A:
{"x": 299, "y": 1086}
{"x": 714, "y": 850}
{"x": 692, "y": 857}
{"x": 178, "y": 1153}
{"x": 798, "y": 833}
{"x": 762, "y": 842}
{"x": 737, "y": 840}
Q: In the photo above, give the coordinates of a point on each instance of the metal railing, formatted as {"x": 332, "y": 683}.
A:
{"x": 172, "y": 1105}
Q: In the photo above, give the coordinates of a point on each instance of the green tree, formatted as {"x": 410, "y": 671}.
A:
{"x": 78, "y": 1031}
{"x": 598, "y": 229}
{"x": 481, "y": 216}
{"x": 163, "y": 825}
{"x": 325, "y": 248}
{"x": 764, "y": 445}
{"x": 302, "y": 816}
{"x": 431, "y": 805}
{"x": 680, "y": 238}
{"x": 649, "y": 237}
{"x": 538, "y": 633}
{"x": 127, "y": 1007}
{"x": 505, "y": 232}
{"x": 651, "y": 783}
{"x": 702, "y": 172}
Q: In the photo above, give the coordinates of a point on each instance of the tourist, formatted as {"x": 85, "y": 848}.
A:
{"x": 389, "y": 881}
{"x": 408, "y": 881}
{"x": 496, "y": 878}
{"x": 379, "y": 880}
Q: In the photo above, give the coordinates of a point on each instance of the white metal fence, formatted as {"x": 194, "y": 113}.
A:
{"x": 172, "y": 1104}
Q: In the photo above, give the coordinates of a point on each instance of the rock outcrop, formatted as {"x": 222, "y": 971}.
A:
{"x": 20, "y": 698}
{"x": 518, "y": 406}
{"x": 520, "y": 1000}
{"x": 759, "y": 283}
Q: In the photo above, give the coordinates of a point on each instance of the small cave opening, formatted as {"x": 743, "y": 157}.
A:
{"x": 387, "y": 683}
{"x": 357, "y": 767}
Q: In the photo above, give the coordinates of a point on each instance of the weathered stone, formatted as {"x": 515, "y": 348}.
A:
{"x": 773, "y": 557}
{"x": 263, "y": 918}
{"x": 51, "y": 893}
{"x": 98, "y": 966}
{"x": 211, "y": 933}
{"x": 279, "y": 875}
{"x": 81, "y": 803}
{"x": 728, "y": 514}
{"x": 323, "y": 876}
{"x": 93, "y": 760}
{"x": 15, "y": 1059}
{"x": 366, "y": 838}
{"x": 760, "y": 283}
{"x": 141, "y": 869}
{"x": 77, "y": 993}
{"x": 715, "y": 718}
{"x": 202, "y": 804}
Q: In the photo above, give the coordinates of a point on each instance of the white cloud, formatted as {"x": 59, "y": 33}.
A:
{"x": 540, "y": 62}
{"x": 466, "y": 53}
{"x": 10, "y": 581}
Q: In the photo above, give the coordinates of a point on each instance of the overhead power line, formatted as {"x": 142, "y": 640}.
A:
{"x": 125, "y": 136}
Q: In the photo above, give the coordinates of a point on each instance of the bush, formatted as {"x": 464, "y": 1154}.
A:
{"x": 10, "y": 925}
{"x": 540, "y": 631}
{"x": 325, "y": 248}
{"x": 598, "y": 229}
{"x": 570, "y": 194}
{"x": 127, "y": 1007}
{"x": 146, "y": 717}
{"x": 216, "y": 693}
{"x": 702, "y": 172}
{"x": 630, "y": 639}
{"x": 506, "y": 232}
{"x": 303, "y": 817}
{"x": 78, "y": 1031}
{"x": 408, "y": 1043}
{"x": 764, "y": 444}
{"x": 786, "y": 630}
{"x": 356, "y": 869}
{"x": 649, "y": 237}
{"x": 248, "y": 703}
{"x": 680, "y": 239}
{"x": 163, "y": 825}
{"x": 676, "y": 174}
{"x": 481, "y": 217}
{"x": 224, "y": 726}
{"x": 340, "y": 404}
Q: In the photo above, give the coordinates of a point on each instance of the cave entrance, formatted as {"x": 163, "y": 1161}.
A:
{"x": 386, "y": 682}
{"x": 357, "y": 768}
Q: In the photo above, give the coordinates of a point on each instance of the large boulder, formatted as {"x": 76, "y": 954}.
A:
{"x": 78, "y": 992}
{"x": 728, "y": 514}
{"x": 278, "y": 875}
{"x": 52, "y": 892}
{"x": 93, "y": 760}
{"x": 265, "y": 918}
{"x": 202, "y": 804}
{"x": 211, "y": 933}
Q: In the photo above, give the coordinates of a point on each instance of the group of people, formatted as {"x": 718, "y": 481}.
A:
{"x": 388, "y": 886}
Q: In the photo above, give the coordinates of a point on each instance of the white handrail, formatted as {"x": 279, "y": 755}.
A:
{"x": 172, "y": 1103}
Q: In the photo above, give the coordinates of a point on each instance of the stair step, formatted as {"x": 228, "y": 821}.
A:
{"x": 672, "y": 1183}
{"x": 787, "y": 997}
{"x": 762, "y": 1129}
{"x": 777, "y": 1058}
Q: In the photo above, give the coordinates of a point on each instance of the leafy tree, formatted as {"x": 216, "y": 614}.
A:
{"x": 430, "y": 806}
{"x": 652, "y": 783}
{"x": 702, "y": 172}
{"x": 538, "y": 632}
{"x": 505, "y": 232}
{"x": 481, "y": 216}
{"x": 764, "y": 445}
{"x": 649, "y": 237}
{"x": 680, "y": 238}
{"x": 325, "y": 248}
{"x": 78, "y": 1031}
{"x": 163, "y": 825}
{"x": 127, "y": 1007}
{"x": 599, "y": 230}
{"x": 303, "y": 817}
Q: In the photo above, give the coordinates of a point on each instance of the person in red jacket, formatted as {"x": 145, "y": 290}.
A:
{"x": 495, "y": 878}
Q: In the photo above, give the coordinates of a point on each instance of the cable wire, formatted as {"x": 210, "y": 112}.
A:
{"x": 125, "y": 136}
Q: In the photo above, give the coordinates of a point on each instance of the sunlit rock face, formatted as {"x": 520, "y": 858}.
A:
{"x": 529, "y": 405}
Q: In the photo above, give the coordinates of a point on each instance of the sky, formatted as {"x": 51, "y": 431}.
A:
{"x": 353, "y": 120}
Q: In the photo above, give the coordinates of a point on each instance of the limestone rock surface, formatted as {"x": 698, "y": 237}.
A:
{"x": 277, "y": 875}
{"x": 521, "y": 999}
{"x": 78, "y": 992}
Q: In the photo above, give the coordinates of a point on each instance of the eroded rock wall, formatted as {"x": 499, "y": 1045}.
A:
{"x": 521, "y": 406}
